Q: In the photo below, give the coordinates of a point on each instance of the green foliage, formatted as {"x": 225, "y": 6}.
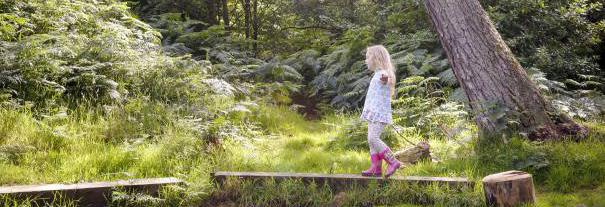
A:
{"x": 13, "y": 27}
{"x": 217, "y": 45}
{"x": 559, "y": 37}
{"x": 269, "y": 81}
{"x": 419, "y": 54}
{"x": 579, "y": 99}
{"x": 172, "y": 26}
{"x": 230, "y": 52}
{"x": 417, "y": 96}
{"x": 172, "y": 80}
{"x": 561, "y": 167}
{"x": 306, "y": 63}
{"x": 194, "y": 9}
{"x": 422, "y": 105}
{"x": 87, "y": 53}
{"x": 179, "y": 97}
{"x": 407, "y": 16}
{"x": 275, "y": 71}
{"x": 343, "y": 79}
{"x": 340, "y": 78}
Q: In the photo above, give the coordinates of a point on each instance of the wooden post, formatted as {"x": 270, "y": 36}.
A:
{"x": 510, "y": 188}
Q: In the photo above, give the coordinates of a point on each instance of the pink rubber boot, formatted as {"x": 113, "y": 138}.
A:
{"x": 390, "y": 159}
{"x": 376, "y": 167}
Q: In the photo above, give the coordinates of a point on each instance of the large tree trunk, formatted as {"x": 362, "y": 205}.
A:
{"x": 496, "y": 85}
{"x": 247, "y": 17}
{"x": 225, "y": 14}
{"x": 255, "y": 26}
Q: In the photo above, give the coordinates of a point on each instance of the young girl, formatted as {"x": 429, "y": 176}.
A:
{"x": 377, "y": 110}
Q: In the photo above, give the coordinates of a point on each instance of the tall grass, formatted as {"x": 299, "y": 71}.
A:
{"x": 557, "y": 167}
{"x": 151, "y": 140}
{"x": 84, "y": 147}
{"x": 56, "y": 200}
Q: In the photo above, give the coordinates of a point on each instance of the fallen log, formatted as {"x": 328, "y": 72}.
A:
{"x": 414, "y": 154}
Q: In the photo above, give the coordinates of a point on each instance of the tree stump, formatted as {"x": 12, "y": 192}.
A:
{"x": 510, "y": 188}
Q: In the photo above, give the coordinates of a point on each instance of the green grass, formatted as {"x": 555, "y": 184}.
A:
{"x": 558, "y": 167}
{"x": 588, "y": 197}
{"x": 57, "y": 200}
{"x": 84, "y": 148}
{"x": 317, "y": 147}
{"x": 296, "y": 145}
{"x": 93, "y": 146}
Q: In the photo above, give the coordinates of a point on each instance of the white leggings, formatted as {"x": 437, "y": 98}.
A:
{"x": 374, "y": 131}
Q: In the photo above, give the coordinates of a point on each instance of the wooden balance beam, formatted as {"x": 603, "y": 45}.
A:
{"x": 340, "y": 181}
{"x": 88, "y": 194}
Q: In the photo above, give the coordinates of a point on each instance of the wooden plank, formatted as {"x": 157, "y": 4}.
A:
{"x": 88, "y": 194}
{"x": 339, "y": 181}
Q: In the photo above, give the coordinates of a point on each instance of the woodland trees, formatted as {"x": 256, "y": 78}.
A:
{"x": 282, "y": 32}
{"x": 309, "y": 54}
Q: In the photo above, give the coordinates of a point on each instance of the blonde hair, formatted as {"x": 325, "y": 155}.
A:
{"x": 377, "y": 56}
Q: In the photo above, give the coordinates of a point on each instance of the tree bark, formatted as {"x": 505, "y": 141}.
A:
{"x": 247, "y": 17}
{"x": 211, "y": 12}
{"x": 508, "y": 189}
{"x": 497, "y": 87}
{"x": 255, "y": 27}
{"x": 219, "y": 5}
{"x": 225, "y": 14}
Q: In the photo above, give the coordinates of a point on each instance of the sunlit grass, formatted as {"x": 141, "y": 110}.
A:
{"x": 77, "y": 148}
{"x": 294, "y": 145}
{"x": 298, "y": 149}
{"x": 81, "y": 147}
{"x": 587, "y": 197}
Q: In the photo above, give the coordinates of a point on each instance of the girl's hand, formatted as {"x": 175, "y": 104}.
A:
{"x": 384, "y": 79}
